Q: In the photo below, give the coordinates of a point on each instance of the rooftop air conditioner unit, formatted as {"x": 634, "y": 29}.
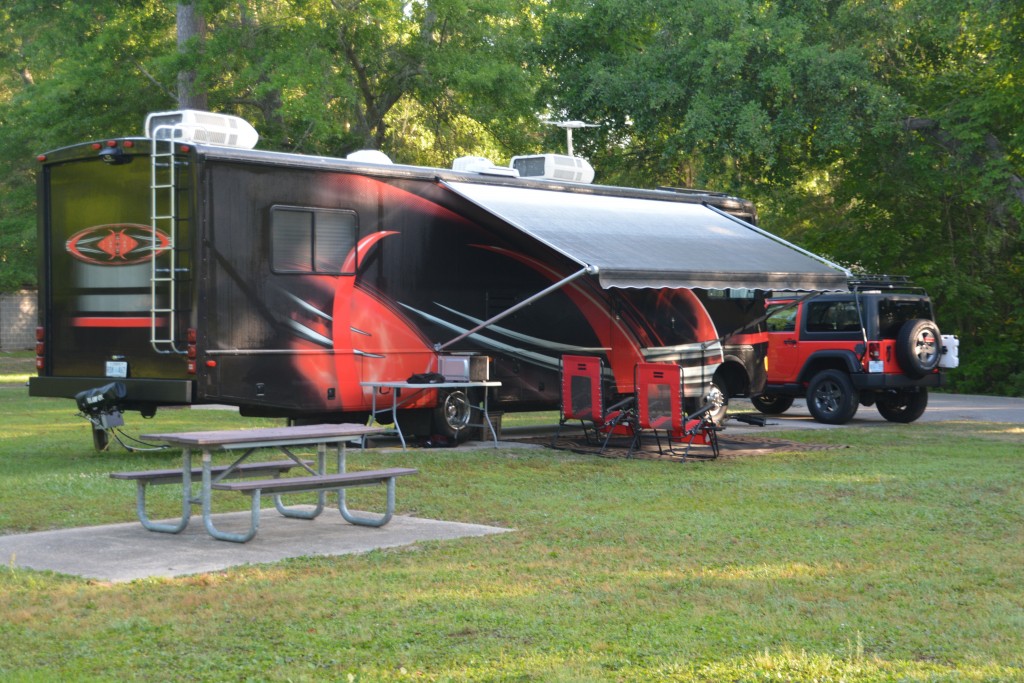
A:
{"x": 204, "y": 127}
{"x": 483, "y": 166}
{"x": 369, "y": 156}
{"x": 554, "y": 167}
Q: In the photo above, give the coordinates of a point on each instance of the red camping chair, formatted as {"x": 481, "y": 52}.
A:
{"x": 659, "y": 407}
{"x": 582, "y": 400}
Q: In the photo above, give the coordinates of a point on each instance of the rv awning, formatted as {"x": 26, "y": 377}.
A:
{"x": 650, "y": 243}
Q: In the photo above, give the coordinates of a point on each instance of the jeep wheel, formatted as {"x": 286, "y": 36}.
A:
{"x": 451, "y": 417}
{"x": 772, "y": 404}
{"x": 831, "y": 397}
{"x": 903, "y": 406}
{"x": 918, "y": 347}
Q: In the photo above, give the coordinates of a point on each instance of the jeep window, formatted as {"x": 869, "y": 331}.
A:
{"x": 893, "y": 313}
{"x": 782, "y": 318}
{"x": 832, "y": 316}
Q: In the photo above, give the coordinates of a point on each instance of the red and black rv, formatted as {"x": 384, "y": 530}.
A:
{"x": 194, "y": 271}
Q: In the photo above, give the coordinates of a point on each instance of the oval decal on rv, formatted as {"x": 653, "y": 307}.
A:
{"x": 118, "y": 244}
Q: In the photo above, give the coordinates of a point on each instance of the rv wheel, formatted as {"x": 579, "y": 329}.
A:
{"x": 451, "y": 417}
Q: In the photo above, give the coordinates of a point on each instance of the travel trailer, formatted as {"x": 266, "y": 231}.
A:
{"x": 192, "y": 269}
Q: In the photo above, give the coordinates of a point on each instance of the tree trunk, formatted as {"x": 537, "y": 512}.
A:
{"x": 191, "y": 28}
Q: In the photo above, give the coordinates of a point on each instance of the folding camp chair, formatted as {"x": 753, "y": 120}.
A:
{"x": 659, "y": 408}
{"x": 583, "y": 400}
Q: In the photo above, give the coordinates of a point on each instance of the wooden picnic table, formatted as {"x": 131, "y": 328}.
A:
{"x": 241, "y": 473}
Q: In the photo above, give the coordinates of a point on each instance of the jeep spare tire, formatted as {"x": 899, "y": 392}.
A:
{"x": 918, "y": 347}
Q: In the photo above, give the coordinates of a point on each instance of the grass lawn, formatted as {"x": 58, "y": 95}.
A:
{"x": 897, "y": 556}
{"x": 17, "y": 366}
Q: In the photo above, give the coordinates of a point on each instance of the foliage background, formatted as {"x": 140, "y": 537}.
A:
{"x": 884, "y": 135}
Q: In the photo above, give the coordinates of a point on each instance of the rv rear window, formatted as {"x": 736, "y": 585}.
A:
{"x": 311, "y": 240}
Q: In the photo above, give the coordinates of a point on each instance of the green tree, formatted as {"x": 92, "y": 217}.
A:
{"x": 68, "y": 72}
{"x": 425, "y": 80}
{"x": 884, "y": 135}
{"x": 943, "y": 192}
{"x": 332, "y": 76}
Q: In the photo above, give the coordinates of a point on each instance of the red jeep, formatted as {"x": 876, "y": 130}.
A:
{"x": 877, "y": 345}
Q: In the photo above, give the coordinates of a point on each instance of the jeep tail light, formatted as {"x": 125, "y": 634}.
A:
{"x": 190, "y": 350}
{"x": 40, "y": 349}
{"x": 874, "y": 351}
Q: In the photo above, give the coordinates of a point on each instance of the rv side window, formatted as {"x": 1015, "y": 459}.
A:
{"x": 311, "y": 240}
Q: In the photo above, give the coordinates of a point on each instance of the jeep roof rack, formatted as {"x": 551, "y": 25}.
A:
{"x": 860, "y": 283}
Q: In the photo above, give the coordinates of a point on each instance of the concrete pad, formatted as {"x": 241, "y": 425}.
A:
{"x": 125, "y": 552}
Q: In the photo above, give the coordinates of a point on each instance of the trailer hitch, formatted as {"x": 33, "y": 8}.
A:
{"x": 102, "y": 407}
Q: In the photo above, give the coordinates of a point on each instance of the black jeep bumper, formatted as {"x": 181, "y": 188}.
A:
{"x": 880, "y": 382}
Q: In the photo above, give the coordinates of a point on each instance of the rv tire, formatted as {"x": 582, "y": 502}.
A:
{"x": 452, "y": 414}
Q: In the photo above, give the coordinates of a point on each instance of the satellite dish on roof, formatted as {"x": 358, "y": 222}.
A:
{"x": 569, "y": 127}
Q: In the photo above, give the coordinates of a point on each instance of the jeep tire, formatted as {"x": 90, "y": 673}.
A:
{"x": 918, "y": 347}
{"x": 902, "y": 406}
{"x": 831, "y": 397}
{"x": 772, "y": 404}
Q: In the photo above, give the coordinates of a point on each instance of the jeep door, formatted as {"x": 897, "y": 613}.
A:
{"x": 783, "y": 357}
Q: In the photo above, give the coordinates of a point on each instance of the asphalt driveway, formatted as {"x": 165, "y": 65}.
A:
{"x": 941, "y": 408}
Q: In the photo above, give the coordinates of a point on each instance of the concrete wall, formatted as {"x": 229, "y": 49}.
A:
{"x": 17, "y": 320}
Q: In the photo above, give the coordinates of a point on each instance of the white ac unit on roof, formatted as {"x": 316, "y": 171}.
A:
{"x": 204, "y": 127}
{"x": 554, "y": 167}
{"x": 483, "y": 166}
{"x": 369, "y": 156}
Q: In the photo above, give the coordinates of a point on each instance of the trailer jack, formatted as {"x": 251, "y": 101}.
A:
{"x": 101, "y": 406}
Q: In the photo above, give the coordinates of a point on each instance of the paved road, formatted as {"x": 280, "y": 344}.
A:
{"x": 941, "y": 408}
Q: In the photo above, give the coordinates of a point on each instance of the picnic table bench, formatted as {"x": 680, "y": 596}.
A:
{"x": 251, "y": 479}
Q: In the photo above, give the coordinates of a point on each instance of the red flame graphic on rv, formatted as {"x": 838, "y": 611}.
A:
{"x": 625, "y": 341}
{"x": 119, "y": 244}
{"x": 374, "y": 340}
{"x": 367, "y": 328}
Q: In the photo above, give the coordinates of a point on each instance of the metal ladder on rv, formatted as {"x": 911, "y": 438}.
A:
{"x": 164, "y": 264}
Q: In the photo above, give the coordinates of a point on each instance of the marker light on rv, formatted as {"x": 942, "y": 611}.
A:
{"x": 40, "y": 349}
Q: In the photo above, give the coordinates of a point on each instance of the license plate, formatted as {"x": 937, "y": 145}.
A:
{"x": 117, "y": 369}
{"x": 876, "y": 366}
